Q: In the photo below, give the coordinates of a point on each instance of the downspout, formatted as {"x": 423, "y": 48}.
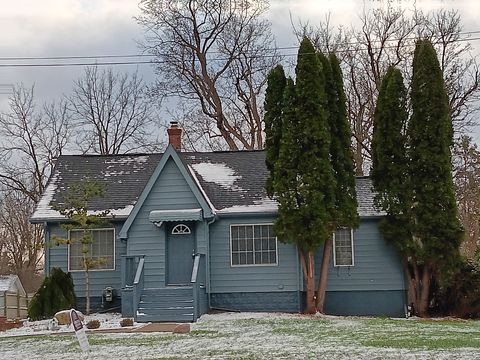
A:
{"x": 207, "y": 259}
{"x": 46, "y": 249}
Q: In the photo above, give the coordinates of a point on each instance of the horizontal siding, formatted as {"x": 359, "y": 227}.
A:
{"x": 99, "y": 279}
{"x": 377, "y": 265}
{"x": 170, "y": 192}
{"x": 366, "y": 303}
{"x": 259, "y": 301}
{"x": 227, "y": 279}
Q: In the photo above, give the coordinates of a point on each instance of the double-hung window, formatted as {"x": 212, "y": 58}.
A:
{"x": 343, "y": 248}
{"x": 253, "y": 245}
{"x": 101, "y": 249}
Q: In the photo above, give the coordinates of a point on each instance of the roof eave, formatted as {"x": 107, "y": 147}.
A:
{"x": 40, "y": 220}
{"x": 246, "y": 213}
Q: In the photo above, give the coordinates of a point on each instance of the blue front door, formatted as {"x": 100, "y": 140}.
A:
{"x": 180, "y": 248}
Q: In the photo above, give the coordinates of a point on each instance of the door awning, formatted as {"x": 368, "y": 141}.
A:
{"x": 159, "y": 216}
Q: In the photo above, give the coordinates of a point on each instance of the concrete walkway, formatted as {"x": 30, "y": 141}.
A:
{"x": 176, "y": 328}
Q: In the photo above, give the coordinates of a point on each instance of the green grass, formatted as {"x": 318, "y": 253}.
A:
{"x": 272, "y": 337}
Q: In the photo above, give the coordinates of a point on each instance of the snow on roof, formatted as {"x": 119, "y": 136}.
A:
{"x": 43, "y": 209}
{"x": 264, "y": 205}
{"x": 202, "y": 190}
{"x": 130, "y": 165}
{"x": 218, "y": 173}
{"x": 122, "y": 212}
{"x": 231, "y": 182}
{"x": 11, "y": 283}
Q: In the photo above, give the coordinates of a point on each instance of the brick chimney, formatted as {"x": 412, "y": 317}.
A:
{"x": 175, "y": 135}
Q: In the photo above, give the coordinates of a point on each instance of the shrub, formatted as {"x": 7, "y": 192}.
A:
{"x": 461, "y": 296}
{"x": 93, "y": 324}
{"x": 126, "y": 322}
{"x": 56, "y": 293}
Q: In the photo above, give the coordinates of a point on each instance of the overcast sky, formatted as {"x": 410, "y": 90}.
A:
{"x": 33, "y": 28}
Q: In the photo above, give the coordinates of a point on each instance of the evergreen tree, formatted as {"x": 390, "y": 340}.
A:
{"x": 306, "y": 194}
{"x": 436, "y": 228}
{"x": 286, "y": 184}
{"x": 55, "y": 294}
{"x": 389, "y": 172}
{"x": 344, "y": 213}
{"x": 273, "y": 122}
{"x": 341, "y": 149}
{"x": 76, "y": 209}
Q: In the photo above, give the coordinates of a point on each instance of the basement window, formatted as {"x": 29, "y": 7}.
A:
{"x": 343, "y": 248}
{"x": 101, "y": 250}
{"x": 253, "y": 245}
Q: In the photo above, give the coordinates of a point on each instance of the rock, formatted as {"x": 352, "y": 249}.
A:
{"x": 182, "y": 329}
{"x": 63, "y": 317}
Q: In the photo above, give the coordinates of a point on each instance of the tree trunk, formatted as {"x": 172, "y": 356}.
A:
{"x": 87, "y": 292}
{"x": 410, "y": 284}
{"x": 308, "y": 265}
{"x": 322, "y": 281}
{"x": 87, "y": 285}
{"x": 424, "y": 292}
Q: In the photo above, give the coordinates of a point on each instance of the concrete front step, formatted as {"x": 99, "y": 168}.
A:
{"x": 169, "y": 290}
{"x": 148, "y": 302}
{"x": 164, "y": 317}
{"x": 171, "y": 303}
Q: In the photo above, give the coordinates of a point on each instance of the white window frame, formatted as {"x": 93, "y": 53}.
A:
{"x": 114, "y": 251}
{"x": 184, "y": 231}
{"x": 352, "y": 247}
{"x": 252, "y": 265}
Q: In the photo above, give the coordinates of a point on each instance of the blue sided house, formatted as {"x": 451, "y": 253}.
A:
{"x": 189, "y": 232}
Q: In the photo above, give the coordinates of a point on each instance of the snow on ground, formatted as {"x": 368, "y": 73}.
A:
{"x": 42, "y": 327}
{"x": 268, "y": 336}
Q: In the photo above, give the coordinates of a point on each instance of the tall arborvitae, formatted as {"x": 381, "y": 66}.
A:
{"x": 306, "y": 195}
{"x": 341, "y": 157}
{"x": 389, "y": 171}
{"x": 273, "y": 122}
{"x": 341, "y": 150}
{"x": 436, "y": 228}
{"x": 286, "y": 183}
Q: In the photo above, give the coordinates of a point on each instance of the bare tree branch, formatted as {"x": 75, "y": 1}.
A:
{"x": 31, "y": 142}
{"x": 216, "y": 53}
{"x": 112, "y": 112}
{"x": 386, "y": 37}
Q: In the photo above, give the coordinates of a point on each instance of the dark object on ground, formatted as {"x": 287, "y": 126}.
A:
{"x": 126, "y": 322}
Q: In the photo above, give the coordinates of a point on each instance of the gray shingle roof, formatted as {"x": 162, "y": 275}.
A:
{"x": 232, "y": 182}
{"x": 124, "y": 177}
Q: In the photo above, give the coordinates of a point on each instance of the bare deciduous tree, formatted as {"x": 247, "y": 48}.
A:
{"x": 386, "y": 37}
{"x": 467, "y": 186}
{"x": 31, "y": 141}
{"x": 217, "y": 53}
{"x": 111, "y": 111}
{"x": 21, "y": 242}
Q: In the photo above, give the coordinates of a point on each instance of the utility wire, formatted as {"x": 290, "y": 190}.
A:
{"x": 111, "y": 56}
{"x": 142, "y": 62}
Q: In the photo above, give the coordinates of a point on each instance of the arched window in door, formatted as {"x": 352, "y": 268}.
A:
{"x": 181, "y": 229}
